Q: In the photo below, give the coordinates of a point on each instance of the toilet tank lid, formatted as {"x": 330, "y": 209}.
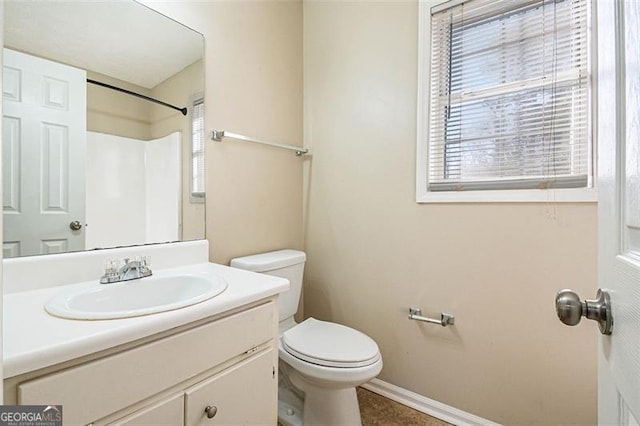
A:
{"x": 265, "y": 262}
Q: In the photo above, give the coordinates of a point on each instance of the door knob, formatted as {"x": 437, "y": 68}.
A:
{"x": 570, "y": 309}
{"x": 211, "y": 411}
{"x": 75, "y": 225}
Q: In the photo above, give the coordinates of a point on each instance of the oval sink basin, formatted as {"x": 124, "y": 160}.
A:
{"x": 134, "y": 298}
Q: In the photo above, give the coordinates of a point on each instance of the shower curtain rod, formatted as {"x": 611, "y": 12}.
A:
{"x": 129, "y": 92}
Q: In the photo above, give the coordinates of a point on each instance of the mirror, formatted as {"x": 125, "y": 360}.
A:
{"x": 86, "y": 163}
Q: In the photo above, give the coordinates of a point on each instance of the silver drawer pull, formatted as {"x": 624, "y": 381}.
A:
{"x": 211, "y": 411}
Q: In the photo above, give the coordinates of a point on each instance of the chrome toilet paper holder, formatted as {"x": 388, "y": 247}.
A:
{"x": 445, "y": 319}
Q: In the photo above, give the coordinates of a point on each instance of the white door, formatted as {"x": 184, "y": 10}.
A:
{"x": 618, "y": 121}
{"x": 43, "y": 155}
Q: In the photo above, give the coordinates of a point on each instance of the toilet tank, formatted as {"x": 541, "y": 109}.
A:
{"x": 287, "y": 264}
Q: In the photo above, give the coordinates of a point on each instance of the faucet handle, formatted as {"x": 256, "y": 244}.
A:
{"x": 145, "y": 266}
{"x": 110, "y": 271}
{"x": 110, "y": 266}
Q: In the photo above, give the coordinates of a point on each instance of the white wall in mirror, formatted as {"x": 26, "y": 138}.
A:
{"x": 135, "y": 190}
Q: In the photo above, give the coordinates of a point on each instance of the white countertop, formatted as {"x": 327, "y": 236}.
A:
{"x": 34, "y": 339}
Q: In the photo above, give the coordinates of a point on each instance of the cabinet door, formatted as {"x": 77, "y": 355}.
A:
{"x": 168, "y": 412}
{"x": 246, "y": 393}
{"x": 141, "y": 372}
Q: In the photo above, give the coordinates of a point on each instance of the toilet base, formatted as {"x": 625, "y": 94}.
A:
{"x": 324, "y": 406}
{"x": 289, "y": 414}
{"x": 290, "y": 399}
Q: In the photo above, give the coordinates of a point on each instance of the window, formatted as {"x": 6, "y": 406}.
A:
{"x": 197, "y": 150}
{"x": 508, "y": 106}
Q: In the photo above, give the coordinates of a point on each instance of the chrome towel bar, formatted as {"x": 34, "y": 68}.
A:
{"x": 445, "y": 319}
{"x": 217, "y": 136}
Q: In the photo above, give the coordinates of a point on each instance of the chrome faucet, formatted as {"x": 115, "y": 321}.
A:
{"x": 131, "y": 270}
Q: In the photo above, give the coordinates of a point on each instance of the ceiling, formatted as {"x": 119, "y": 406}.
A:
{"x": 122, "y": 39}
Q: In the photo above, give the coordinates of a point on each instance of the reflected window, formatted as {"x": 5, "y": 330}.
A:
{"x": 197, "y": 150}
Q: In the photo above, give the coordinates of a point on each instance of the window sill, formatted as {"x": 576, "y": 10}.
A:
{"x": 581, "y": 195}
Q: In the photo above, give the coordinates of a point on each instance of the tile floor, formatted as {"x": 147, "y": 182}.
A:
{"x": 377, "y": 410}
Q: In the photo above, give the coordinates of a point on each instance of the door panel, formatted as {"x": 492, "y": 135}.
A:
{"x": 11, "y": 83}
{"x": 631, "y": 161}
{"x": 55, "y": 152}
{"x": 11, "y": 164}
{"x": 44, "y": 145}
{"x": 53, "y": 246}
{"x": 619, "y": 208}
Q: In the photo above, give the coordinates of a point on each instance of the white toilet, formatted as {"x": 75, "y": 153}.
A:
{"x": 321, "y": 363}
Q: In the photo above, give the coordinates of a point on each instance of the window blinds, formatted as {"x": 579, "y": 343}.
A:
{"x": 197, "y": 149}
{"x": 509, "y": 95}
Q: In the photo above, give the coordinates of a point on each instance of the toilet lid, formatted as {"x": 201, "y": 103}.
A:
{"x": 330, "y": 344}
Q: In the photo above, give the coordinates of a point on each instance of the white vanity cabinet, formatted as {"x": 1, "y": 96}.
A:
{"x": 241, "y": 394}
{"x": 228, "y": 362}
{"x": 166, "y": 412}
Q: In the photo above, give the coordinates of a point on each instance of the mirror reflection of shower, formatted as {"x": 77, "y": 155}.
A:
{"x": 135, "y": 190}
{"x": 64, "y": 189}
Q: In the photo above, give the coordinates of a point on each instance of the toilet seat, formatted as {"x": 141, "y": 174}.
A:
{"x": 329, "y": 344}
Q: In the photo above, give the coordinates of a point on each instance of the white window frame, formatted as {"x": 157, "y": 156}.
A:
{"x": 423, "y": 195}
{"x": 195, "y": 199}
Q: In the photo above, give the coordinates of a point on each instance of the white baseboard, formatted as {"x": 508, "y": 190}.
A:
{"x": 425, "y": 405}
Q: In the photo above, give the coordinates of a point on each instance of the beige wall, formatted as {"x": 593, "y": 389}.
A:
{"x": 177, "y": 90}
{"x": 373, "y": 252}
{"x": 115, "y": 113}
{"x": 253, "y": 86}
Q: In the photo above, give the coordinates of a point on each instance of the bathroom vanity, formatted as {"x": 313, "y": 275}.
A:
{"x": 89, "y": 158}
{"x": 212, "y": 362}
